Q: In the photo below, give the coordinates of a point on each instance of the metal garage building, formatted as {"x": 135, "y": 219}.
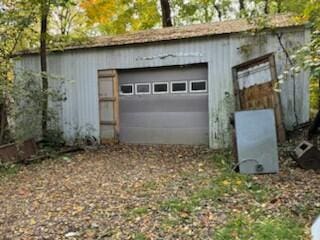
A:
{"x": 169, "y": 86}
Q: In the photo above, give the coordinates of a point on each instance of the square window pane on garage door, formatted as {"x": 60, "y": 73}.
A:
{"x": 126, "y": 89}
{"x": 159, "y": 88}
{"x": 143, "y": 88}
{"x": 198, "y": 86}
{"x": 179, "y": 87}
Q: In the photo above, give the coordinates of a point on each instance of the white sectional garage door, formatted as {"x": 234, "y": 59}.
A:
{"x": 164, "y": 105}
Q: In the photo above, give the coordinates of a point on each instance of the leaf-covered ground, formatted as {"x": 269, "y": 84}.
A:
{"x": 154, "y": 192}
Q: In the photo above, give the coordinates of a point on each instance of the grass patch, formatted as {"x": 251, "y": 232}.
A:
{"x": 139, "y": 211}
{"x": 227, "y": 183}
{"x": 179, "y": 205}
{"x": 150, "y": 185}
{"x": 139, "y": 236}
{"x": 8, "y": 170}
{"x": 263, "y": 228}
{"x": 223, "y": 186}
{"x": 169, "y": 223}
{"x": 223, "y": 160}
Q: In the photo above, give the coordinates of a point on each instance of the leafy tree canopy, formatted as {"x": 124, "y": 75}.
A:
{"x": 119, "y": 16}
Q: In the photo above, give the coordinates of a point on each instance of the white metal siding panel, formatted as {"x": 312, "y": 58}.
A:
{"x": 221, "y": 54}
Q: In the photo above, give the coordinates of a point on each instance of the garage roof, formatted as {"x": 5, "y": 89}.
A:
{"x": 185, "y": 32}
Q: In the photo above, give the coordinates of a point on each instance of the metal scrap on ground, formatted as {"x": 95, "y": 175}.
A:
{"x": 256, "y": 141}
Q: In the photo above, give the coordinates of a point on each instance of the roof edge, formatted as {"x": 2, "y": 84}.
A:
{"x": 177, "y": 33}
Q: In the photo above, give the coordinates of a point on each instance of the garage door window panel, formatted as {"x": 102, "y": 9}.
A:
{"x": 198, "y": 86}
{"x": 126, "y": 89}
{"x": 160, "y": 88}
{"x": 179, "y": 87}
{"x": 143, "y": 88}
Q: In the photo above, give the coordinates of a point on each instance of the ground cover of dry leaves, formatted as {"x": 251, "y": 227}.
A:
{"x": 151, "y": 192}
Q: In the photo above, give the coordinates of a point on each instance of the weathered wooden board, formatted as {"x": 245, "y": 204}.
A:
{"x": 108, "y": 105}
{"x": 255, "y": 82}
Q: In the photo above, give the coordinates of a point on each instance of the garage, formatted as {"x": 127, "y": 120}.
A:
{"x": 167, "y": 86}
{"x": 167, "y": 105}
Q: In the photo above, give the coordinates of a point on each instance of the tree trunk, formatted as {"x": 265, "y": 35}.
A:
{"x": 241, "y": 7}
{"x": 319, "y": 94}
{"x": 166, "y": 13}
{"x": 279, "y": 6}
{"x": 266, "y": 7}
{"x": 43, "y": 61}
{"x": 217, "y": 8}
{"x": 3, "y": 120}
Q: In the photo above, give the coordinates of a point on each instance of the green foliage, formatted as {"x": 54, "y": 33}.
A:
{"x": 199, "y": 11}
{"x": 53, "y": 138}
{"x": 27, "y": 96}
{"x": 68, "y": 25}
{"x": 308, "y": 58}
{"x": 8, "y": 170}
{"x": 13, "y": 23}
{"x": 314, "y": 94}
{"x": 119, "y": 16}
{"x": 19, "y": 29}
{"x": 228, "y": 182}
{"x": 139, "y": 236}
{"x": 262, "y": 228}
{"x": 139, "y": 211}
{"x": 223, "y": 160}
{"x": 179, "y": 205}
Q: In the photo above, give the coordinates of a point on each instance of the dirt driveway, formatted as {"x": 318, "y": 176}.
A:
{"x": 155, "y": 192}
{"x": 97, "y": 194}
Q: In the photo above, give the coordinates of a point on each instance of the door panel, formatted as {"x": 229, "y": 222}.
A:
{"x": 166, "y": 118}
{"x": 108, "y": 105}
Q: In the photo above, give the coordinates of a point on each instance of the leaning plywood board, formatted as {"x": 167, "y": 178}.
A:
{"x": 256, "y": 141}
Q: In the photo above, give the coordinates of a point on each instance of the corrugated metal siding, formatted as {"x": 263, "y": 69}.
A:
{"x": 221, "y": 54}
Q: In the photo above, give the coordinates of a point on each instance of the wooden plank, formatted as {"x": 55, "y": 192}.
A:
{"x": 105, "y": 88}
{"x": 107, "y": 99}
{"x": 113, "y": 123}
{"x": 105, "y": 73}
{"x": 105, "y": 76}
{"x": 116, "y": 113}
{"x": 236, "y": 88}
{"x": 113, "y": 91}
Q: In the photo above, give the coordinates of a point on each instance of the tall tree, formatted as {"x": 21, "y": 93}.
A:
{"x": 166, "y": 13}
{"x": 44, "y": 10}
{"x": 15, "y": 18}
